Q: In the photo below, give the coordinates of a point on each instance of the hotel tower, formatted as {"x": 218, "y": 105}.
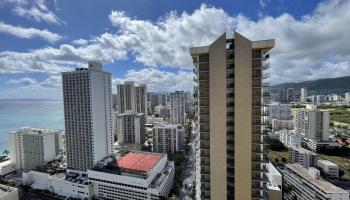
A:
{"x": 231, "y": 97}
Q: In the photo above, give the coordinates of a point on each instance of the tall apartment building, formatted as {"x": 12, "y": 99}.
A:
{"x": 302, "y": 156}
{"x": 32, "y": 147}
{"x": 308, "y": 185}
{"x": 313, "y": 124}
{"x": 156, "y": 99}
{"x": 131, "y": 127}
{"x": 230, "y": 96}
{"x": 131, "y": 97}
{"x": 303, "y": 95}
{"x": 87, "y": 95}
{"x": 168, "y": 138}
{"x": 291, "y": 95}
{"x": 289, "y": 138}
{"x": 347, "y": 98}
{"x": 280, "y": 111}
{"x": 177, "y": 107}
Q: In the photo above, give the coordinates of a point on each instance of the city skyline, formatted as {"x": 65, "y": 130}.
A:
{"x": 37, "y": 46}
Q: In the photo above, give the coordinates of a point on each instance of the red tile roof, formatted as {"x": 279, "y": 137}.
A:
{"x": 138, "y": 162}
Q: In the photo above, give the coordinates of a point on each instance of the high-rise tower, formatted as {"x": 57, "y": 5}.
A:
{"x": 87, "y": 96}
{"x": 230, "y": 95}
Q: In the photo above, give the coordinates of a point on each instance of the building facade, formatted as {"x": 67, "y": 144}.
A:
{"x": 131, "y": 127}
{"x": 313, "y": 124}
{"x": 289, "y": 138}
{"x": 303, "y": 95}
{"x": 302, "y": 156}
{"x": 87, "y": 95}
{"x": 229, "y": 77}
{"x": 131, "y": 97}
{"x": 307, "y": 185}
{"x": 135, "y": 175}
{"x": 32, "y": 147}
{"x": 330, "y": 168}
{"x": 177, "y": 107}
{"x": 168, "y": 138}
{"x": 280, "y": 111}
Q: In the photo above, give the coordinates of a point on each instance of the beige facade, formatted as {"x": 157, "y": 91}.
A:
{"x": 229, "y": 95}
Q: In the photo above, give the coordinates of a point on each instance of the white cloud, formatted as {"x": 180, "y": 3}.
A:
{"x": 158, "y": 80}
{"x": 53, "y": 81}
{"x": 36, "y": 10}
{"x": 28, "y": 33}
{"x": 309, "y": 47}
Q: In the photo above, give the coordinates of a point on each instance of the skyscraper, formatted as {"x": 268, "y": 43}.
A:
{"x": 230, "y": 89}
{"x": 131, "y": 97}
{"x": 303, "y": 95}
{"x": 177, "y": 107}
{"x": 290, "y": 95}
{"x": 87, "y": 95}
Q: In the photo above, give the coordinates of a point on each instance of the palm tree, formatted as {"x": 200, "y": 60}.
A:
{"x": 6, "y": 152}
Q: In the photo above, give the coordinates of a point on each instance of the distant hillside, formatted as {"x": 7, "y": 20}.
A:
{"x": 320, "y": 86}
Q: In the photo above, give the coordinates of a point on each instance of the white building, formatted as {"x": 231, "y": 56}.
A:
{"x": 289, "y": 138}
{"x": 162, "y": 111}
{"x": 280, "y": 111}
{"x": 177, "y": 107}
{"x": 131, "y": 97}
{"x": 135, "y": 175}
{"x": 274, "y": 182}
{"x": 60, "y": 184}
{"x": 168, "y": 138}
{"x": 308, "y": 185}
{"x": 347, "y": 98}
{"x": 131, "y": 127}
{"x": 313, "y": 125}
{"x": 304, "y": 157}
{"x": 282, "y": 124}
{"x": 329, "y": 168}
{"x": 303, "y": 95}
{"x": 156, "y": 99}
{"x": 8, "y": 193}
{"x": 7, "y": 167}
{"x": 87, "y": 95}
{"x": 32, "y": 147}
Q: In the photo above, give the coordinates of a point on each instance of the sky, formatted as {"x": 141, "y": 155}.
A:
{"x": 148, "y": 41}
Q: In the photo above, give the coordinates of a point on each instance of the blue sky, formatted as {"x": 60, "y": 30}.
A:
{"x": 148, "y": 41}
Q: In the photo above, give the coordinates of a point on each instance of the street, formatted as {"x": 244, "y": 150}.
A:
{"x": 189, "y": 175}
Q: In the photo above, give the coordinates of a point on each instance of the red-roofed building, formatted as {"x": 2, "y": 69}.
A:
{"x": 140, "y": 162}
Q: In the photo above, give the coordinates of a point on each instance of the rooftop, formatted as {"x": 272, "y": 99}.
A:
{"x": 141, "y": 162}
{"x": 327, "y": 162}
{"x": 35, "y": 131}
{"x": 318, "y": 182}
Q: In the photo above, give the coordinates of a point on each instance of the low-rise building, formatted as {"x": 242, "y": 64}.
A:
{"x": 302, "y": 156}
{"x": 8, "y": 193}
{"x": 330, "y": 168}
{"x": 274, "y": 182}
{"x": 32, "y": 147}
{"x": 136, "y": 175}
{"x": 66, "y": 185}
{"x": 7, "y": 167}
{"x": 307, "y": 184}
{"x": 168, "y": 138}
{"x": 289, "y": 138}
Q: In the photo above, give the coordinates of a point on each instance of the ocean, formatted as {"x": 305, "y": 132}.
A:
{"x": 17, "y": 113}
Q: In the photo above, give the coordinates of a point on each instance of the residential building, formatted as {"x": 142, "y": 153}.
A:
{"x": 8, "y": 193}
{"x": 280, "y": 111}
{"x": 87, "y": 95}
{"x": 347, "y": 98}
{"x": 302, "y": 156}
{"x": 131, "y": 127}
{"x": 291, "y": 95}
{"x": 32, "y": 147}
{"x": 162, "y": 111}
{"x": 307, "y": 184}
{"x": 168, "y": 138}
{"x": 177, "y": 107}
{"x": 282, "y": 95}
{"x": 289, "y": 138}
{"x": 274, "y": 182}
{"x": 320, "y": 99}
{"x": 157, "y": 99}
{"x": 141, "y": 99}
{"x": 330, "y": 168}
{"x": 303, "y": 95}
{"x": 278, "y": 124}
{"x": 232, "y": 150}
{"x": 136, "y": 175}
